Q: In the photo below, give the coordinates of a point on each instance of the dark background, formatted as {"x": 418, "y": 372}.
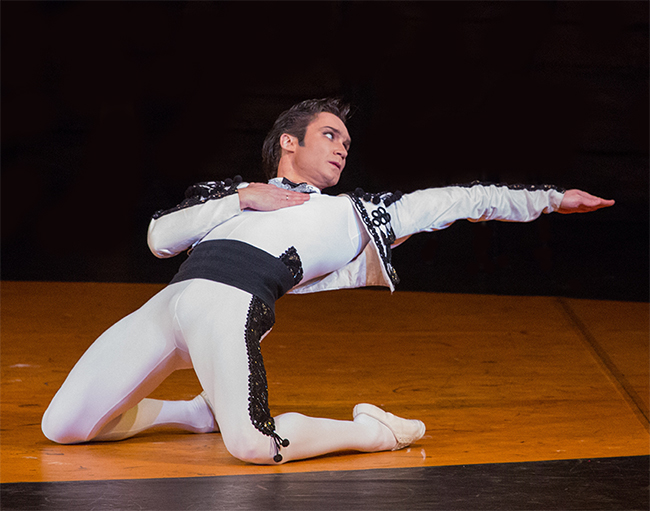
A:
{"x": 110, "y": 110}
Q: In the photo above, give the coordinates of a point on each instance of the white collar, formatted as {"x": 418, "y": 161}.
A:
{"x": 283, "y": 182}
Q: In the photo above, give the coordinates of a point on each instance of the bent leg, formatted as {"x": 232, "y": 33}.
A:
{"x": 124, "y": 365}
{"x": 227, "y": 373}
{"x": 194, "y": 416}
{"x": 212, "y": 318}
{"x": 372, "y": 430}
{"x": 312, "y": 436}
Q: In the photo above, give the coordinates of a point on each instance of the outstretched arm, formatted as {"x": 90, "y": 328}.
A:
{"x": 577, "y": 201}
{"x": 437, "y": 208}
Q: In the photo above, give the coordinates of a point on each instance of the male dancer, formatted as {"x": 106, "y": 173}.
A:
{"x": 251, "y": 243}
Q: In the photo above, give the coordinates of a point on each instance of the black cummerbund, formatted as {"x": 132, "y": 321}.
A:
{"x": 240, "y": 265}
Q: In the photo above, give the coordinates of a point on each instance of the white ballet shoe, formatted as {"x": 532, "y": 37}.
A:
{"x": 204, "y": 396}
{"x": 406, "y": 431}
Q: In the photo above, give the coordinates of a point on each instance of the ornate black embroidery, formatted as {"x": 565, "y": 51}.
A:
{"x": 292, "y": 260}
{"x": 259, "y": 321}
{"x": 383, "y": 240}
{"x": 380, "y": 217}
{"x": 391, "y": 198}
{"x": 202, "y": 192}
{"x": 531, "y": 188}
{"x": 388, "y": 197}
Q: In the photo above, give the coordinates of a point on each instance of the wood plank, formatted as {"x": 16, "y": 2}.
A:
{"x": 623, "y": 334}
{"x": 495, "y": 378}
{"x": 614, "y": 484}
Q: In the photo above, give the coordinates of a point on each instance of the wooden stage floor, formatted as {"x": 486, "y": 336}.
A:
{"x": 500, "y": 382}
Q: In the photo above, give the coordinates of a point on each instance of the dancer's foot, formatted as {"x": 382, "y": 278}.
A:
{"x": 405, "y": 431}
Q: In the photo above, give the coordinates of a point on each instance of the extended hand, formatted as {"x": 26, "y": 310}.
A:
{"x": 265, "y": 197}
{"x": 577, "y": 201}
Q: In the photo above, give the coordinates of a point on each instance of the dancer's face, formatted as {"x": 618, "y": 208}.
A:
{"x": 321, "y": 157}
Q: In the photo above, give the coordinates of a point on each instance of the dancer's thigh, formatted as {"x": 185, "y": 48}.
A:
{"x": 125, "y": 364}
{"x": 212, "y": 317}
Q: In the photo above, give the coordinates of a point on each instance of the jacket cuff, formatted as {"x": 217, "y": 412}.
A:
{"x": 555, "y": 199}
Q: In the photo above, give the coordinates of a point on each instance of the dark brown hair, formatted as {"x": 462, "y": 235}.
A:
{"x": 294, "y": 122}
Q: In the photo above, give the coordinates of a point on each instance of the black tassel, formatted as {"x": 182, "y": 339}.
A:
{"x": 279, "y": 442}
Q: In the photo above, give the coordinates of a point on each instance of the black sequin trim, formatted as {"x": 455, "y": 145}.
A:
{"x": 530, "y": 188}
{"x": 259, "y": 321}
{"x": 387, "y": 197}
{"x": 292, "y": 261}
{"x": 383, "y": 240}
{"x": 392, "y": 198}
{"x": 202, "y": 192}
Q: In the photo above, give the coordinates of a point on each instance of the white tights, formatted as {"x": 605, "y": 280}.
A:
{"x": 199, "y": 324}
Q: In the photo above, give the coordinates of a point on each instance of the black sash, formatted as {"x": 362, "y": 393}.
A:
{"x": 240, "y": 265}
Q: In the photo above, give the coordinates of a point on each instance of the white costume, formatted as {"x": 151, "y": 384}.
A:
{"x": 213, "y": 321}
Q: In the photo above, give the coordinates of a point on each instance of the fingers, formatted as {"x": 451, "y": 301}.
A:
{"x": 577, "y": 201}
{"x": 265, "y": 197}
{"x": 285, "y": 198}
{"x": 598, "y": 203}
{"x": 295, "y": 198}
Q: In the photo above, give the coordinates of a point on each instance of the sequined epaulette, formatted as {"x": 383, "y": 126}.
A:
{"x": 202, "y": 192}
{"x": 372, "y": 208}
{"x": 530, "y": 188}
{"x": 388, "y": 198}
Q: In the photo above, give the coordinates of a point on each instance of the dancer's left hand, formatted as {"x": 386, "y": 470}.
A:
{"x": 577, "y": 201}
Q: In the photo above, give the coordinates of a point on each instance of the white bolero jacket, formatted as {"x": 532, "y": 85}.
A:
{"x": 389, "y": 219}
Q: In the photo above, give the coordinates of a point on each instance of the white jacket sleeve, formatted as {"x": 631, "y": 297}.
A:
{"x": 437, "y": 208}
{"x": 173, "y": 231}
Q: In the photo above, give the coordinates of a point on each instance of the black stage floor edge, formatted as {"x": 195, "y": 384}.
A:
{"x": 584, "y": 484}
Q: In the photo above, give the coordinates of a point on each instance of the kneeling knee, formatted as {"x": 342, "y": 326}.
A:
{"x": 255, "y": 448}
{"x": 58, "y": 428}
